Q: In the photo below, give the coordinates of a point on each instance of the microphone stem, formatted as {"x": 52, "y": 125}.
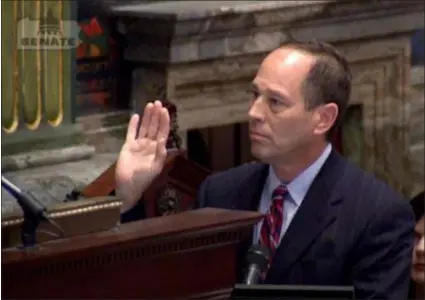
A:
{"x": 10, "y": 187}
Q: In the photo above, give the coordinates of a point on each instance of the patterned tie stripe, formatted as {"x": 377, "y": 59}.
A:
{"x": 272, "y": 223}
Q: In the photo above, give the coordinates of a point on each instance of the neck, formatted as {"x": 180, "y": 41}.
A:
{"x": 419, "y": 291}
{"x": 300, "y": 161}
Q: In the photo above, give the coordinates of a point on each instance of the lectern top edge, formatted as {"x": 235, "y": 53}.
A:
{"x": 190, "y": 222}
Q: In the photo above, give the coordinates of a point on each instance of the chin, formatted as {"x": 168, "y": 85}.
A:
{"x": 261, "y": 153}
{"x": 418, "y": 277}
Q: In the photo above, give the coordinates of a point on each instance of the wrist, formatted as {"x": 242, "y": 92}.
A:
{"x": 125, "y": 207}
{"x": 128, "y": 197}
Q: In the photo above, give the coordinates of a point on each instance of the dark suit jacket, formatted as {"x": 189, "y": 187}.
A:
{"x": 351, "y": 229}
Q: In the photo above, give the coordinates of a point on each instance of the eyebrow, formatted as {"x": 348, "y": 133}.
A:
{"x": 279, "y": 94}
{"x": 255, "y": 86}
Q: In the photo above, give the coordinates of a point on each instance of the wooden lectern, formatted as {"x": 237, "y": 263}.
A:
{"x": 172, "y": 257}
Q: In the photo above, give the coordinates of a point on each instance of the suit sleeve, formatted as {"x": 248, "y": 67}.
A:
{"x": 383, "y": 259}
{"x": 202, "y": 198}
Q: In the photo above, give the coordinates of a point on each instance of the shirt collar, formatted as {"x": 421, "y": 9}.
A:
{"x": 298, "y": 187}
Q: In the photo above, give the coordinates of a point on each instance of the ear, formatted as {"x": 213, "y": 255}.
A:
{"x": 325, "y": 118}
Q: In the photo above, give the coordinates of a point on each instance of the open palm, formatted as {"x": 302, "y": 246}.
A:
{"x": 143, "y": 154}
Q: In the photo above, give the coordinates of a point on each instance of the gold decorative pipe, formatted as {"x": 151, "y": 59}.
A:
{"x": 58, "y": 120}
{"x": 15, "y": 73}
{"x": 34, "y": 125}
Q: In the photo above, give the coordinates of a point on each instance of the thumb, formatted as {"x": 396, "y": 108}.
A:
{"x": 161, "y": 152}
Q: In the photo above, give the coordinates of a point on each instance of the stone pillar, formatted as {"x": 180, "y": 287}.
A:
{"x": 38, "y": 75}
{"x": 416, "y": 112}
{"x": 203, "y": 58}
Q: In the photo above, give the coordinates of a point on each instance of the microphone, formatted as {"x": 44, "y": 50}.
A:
{"x": 26, "y": 200}
{"x": 258, "y": 258}
{"x": 33, "y": 210}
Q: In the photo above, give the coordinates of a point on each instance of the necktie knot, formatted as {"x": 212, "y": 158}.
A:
{"x": 279, "y": 193}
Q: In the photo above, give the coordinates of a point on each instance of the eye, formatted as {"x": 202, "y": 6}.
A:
{"x": 255, "y": 95}
{"x": 276, "y": 103}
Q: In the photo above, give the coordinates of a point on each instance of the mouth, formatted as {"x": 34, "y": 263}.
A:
{"x": 257, "y": 136}
{"x": 419, "y": 267}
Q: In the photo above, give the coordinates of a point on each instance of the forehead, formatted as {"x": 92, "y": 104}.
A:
{"x": 285, "y": 68}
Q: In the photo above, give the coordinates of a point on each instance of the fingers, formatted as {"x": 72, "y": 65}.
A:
{"x": 132, "y": 128}
{"x": 161, "y": 152}
{"x": 154, "y": 122}
{"x": 147, "y": 115}
{"x": 164, "y": 124}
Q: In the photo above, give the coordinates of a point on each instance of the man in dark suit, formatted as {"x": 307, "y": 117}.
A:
{"x": 327, "y": 221}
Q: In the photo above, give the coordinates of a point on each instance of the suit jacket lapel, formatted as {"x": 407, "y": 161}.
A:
{"x": 251, "y": 189}
{"x": 316, "y": 212}
{"x": 249, "y": 194}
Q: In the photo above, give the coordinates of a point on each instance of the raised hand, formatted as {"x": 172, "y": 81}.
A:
{"x": 143, "y": 154}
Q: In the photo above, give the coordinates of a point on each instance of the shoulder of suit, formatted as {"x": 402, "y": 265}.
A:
{"x": 372, "y": 187}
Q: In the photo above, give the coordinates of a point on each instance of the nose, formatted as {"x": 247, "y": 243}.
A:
{"x": 256, "y": 112}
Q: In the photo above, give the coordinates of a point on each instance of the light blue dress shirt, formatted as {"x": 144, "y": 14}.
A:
{"x": 297, "y": 189}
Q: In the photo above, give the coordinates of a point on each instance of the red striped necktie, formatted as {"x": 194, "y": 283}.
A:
{"x": 272, "y": 223}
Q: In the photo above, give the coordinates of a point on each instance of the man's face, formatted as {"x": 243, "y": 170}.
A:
{"x": 418, "y": 266}
{"x": 280, "y": 122}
